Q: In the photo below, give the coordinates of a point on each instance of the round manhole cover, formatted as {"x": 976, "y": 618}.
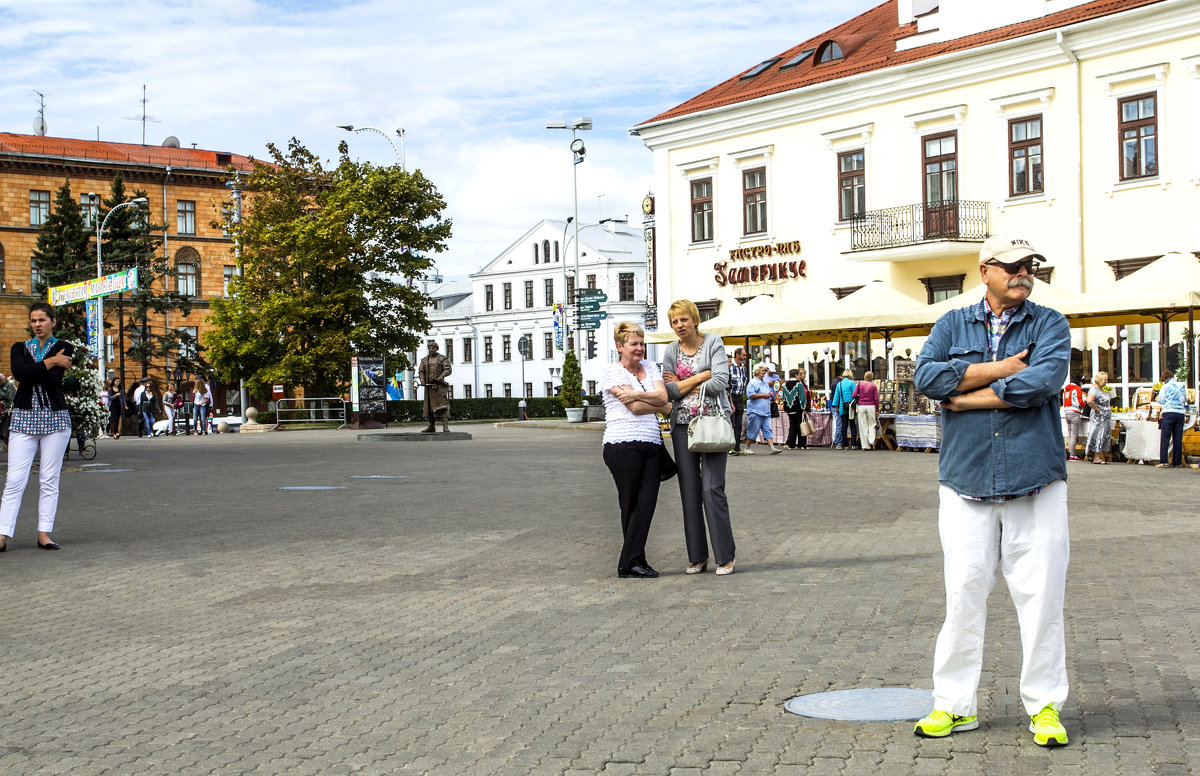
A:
{"x": 312, "y": 487}
{"x": 106, "y": 471}
{"x": 378, "y": 476}
{"x": 880, "y": 704}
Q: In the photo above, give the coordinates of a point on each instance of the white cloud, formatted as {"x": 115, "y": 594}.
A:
{"x": 473, "y": 83}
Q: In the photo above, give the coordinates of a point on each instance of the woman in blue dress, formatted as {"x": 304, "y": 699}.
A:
{"x": 40, "y": 421}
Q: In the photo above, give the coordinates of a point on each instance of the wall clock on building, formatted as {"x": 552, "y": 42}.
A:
{"x": 648, "y": 205}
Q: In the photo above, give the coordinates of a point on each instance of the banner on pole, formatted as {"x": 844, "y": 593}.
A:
{"x": 96, "y": 287}
{"x": 93, "y": 325}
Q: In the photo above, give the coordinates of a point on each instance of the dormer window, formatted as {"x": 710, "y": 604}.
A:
{"x": 829, "y": 51}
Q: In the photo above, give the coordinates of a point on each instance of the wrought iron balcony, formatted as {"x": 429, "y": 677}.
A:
{"x": 896, "y": 227}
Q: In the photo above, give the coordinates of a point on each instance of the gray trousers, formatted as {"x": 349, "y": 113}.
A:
{"x": 702, "y": 491}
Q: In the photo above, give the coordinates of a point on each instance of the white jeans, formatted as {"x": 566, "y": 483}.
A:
{"x": 21, "y": 449}
{"x": 865, "y": 417}
{"x": 1029, "y": 538}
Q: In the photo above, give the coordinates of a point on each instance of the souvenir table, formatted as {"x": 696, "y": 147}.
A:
{"x": 923, "y": 432}
{"x": 887, "y": 431}
{"x": 1141, "y": 439}
{"x": 822, "y": 428}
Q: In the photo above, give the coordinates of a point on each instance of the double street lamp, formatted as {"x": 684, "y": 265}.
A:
{"x": 399, "y": 132}
{"x": 94, "y": 199}
{"x": 578, "y": 152}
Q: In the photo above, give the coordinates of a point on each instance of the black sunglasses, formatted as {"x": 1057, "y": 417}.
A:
{"x": 1014, "y": 267}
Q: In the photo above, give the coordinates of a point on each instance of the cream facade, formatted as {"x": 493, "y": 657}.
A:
{"x": 898, "y": 173}
{"x": 479, "y": 323}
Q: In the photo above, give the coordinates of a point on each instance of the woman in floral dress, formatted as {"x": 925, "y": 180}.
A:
{"x": 1100, "y": 435}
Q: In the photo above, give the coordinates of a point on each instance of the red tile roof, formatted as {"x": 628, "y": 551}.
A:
{"x": 868, "y": 43}
{"x": 120, "y": 153}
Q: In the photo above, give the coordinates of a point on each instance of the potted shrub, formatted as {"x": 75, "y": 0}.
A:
{"x": 572, "y": 388}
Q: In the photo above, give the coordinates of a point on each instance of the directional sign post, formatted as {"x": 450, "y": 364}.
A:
{"x": 592, "y": 294}
{"x": 589, "y": 305}
{"x": 591, "y": 320}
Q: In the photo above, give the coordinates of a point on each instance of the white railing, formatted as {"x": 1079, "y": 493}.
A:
{"x": 321, "y": 410}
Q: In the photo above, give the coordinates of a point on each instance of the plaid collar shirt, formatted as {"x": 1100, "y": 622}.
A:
{"x": 738, "y": 379}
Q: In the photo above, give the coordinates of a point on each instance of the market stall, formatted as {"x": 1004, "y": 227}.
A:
{"x": 919, "y": 432}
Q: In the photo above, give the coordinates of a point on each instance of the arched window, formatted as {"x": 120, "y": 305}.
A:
{"x": 535, "y": 253}
{"x": 545, "y": 251}
{"x": 187, "y": 271}
{"x": 556, "y": 251}
{"x": 828, "y": 52}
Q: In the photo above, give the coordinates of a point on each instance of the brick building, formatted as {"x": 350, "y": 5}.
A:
{"x": 186, "y": 192}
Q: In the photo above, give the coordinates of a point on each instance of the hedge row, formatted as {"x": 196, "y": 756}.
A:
{"x": 495, "y": 408}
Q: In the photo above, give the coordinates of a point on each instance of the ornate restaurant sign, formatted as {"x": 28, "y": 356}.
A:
{"x": 771, "y": 263}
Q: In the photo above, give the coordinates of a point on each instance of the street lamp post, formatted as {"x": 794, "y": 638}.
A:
{"x": 578, "y": 152}
{"x": 408, "y": 373}
{"x": 399, "y": 132}
{"x": 95, "y": 200}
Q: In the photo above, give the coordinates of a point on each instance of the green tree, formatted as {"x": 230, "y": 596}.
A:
{"x": 323, "y": 255}
{"x": 128, "y": 242}
{"x": 62, "y": 255}
{"x": 572, "y": 381}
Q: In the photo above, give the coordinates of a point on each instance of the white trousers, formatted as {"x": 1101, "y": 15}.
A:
{"x": 1028, "y": 537}
{"x": 865, "y": 418}
{"x": 21, "y": 449}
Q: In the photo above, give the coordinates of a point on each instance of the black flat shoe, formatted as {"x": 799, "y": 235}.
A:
{"x": 639, "y": 572}
{"x": 49, "y": 546}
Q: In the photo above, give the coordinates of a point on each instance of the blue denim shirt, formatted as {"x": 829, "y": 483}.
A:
{"x": 1004, "y": 452}
{"x": 1173, "y": 396}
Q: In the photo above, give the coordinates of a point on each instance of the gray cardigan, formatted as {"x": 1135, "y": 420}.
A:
{"x": 710, "y": 356}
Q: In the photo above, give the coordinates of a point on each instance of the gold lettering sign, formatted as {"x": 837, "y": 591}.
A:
{"x": 763, "y": 264}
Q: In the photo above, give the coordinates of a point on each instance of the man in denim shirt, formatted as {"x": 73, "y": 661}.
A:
{"x": 998, "y": 367}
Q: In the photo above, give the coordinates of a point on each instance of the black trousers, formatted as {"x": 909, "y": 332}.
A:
{"x": 635, "y": 470}
{"x": 1170, "y": 434}
{"x": 739, "y": 414}
{"x": 794, "y": 437}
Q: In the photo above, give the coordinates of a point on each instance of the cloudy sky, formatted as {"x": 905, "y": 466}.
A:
{"x": 472, "y": 83}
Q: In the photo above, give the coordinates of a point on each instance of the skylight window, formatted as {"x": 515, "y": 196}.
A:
{"x": 801, "y": 57}
{"x": 758, "y": 69}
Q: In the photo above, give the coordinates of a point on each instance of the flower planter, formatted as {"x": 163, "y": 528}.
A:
{"x": 574, "y": 414}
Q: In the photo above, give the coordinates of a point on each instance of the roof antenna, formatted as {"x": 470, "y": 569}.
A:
{"x": 144, "y": 118}
{"x": 39, "y": 123}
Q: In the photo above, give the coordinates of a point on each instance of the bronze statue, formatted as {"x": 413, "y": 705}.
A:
{"x": 434, "y": 370}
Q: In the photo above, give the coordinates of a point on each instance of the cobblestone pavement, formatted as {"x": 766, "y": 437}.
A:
{"x": 467, "y": 618}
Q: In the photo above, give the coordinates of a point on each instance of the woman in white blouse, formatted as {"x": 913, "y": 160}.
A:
{"x": 633, "y": 391}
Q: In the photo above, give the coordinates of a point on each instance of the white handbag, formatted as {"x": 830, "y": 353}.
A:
{"x": 710, "y": 433}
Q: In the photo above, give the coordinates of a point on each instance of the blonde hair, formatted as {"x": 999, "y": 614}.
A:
{"x": 869, "y": 376}
{"x": 1100, "y": 379}
{"x": 848, "y": 374}
{"x": 688, "y": 308}
{"x": 624, "y": 329}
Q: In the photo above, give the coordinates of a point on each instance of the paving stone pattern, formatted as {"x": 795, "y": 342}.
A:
{"x": 468, "y": 619}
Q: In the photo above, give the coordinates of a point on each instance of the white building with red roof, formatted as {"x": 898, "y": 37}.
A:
{"x": 891, "y": 146}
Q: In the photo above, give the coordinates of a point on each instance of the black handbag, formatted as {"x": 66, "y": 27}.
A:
{"x": 5, "y": 426}
{"x": 667, "y": 467}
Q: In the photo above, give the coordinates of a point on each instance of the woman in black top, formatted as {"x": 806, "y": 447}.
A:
{"x": 116, "y": 408}
{"x": 41, "y": 422}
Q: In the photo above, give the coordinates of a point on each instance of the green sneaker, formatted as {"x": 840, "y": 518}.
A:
{"x": 940, "y": 724}
{"x": 1046, "y": 729}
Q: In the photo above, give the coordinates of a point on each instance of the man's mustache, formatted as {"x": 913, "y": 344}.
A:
{"x": 1026, "y": 282}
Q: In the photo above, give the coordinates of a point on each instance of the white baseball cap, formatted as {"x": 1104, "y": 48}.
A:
{"x": 1007, "y": 249}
